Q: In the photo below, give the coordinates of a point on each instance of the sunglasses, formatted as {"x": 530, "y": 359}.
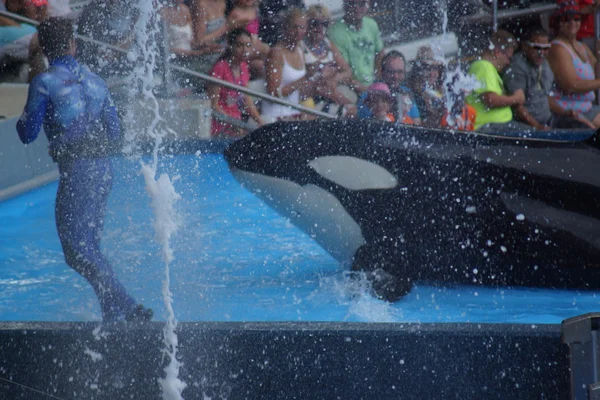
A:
{"x": 539, "y": 46}
{"x": 569, "y": 18}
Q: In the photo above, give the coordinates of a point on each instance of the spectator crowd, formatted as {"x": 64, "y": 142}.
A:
{"x": 533, "y": 79}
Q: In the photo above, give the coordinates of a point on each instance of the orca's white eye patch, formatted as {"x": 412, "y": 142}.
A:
{"x": 353, "y": 173}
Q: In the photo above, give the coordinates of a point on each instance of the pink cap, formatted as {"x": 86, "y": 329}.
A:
{"x": 380, "y": 87}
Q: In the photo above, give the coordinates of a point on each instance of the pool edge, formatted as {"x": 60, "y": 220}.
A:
{"x": 289, "y": 360}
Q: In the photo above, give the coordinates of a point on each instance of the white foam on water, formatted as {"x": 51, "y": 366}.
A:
{"x": 356, "y": 291}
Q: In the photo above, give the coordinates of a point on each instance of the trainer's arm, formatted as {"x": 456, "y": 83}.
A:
{"x": 31, "y": 120}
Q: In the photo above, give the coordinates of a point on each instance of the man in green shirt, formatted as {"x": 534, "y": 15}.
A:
{"x": 359, "y": 40}
{"x": 490, "y": 100}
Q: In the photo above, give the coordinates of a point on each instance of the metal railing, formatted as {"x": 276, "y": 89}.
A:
{"x": 495, "y": 15}
{"x": 204, "y": 77}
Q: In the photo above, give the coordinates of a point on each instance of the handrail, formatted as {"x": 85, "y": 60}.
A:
{"x": 495, "y": 16}
{"x": 488, "y": 16}
{"x": 233, "y": 121}
{"x": 33, "y": 22}
{"x": 202, "y": 76}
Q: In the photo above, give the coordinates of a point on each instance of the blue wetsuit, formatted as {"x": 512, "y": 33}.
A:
{"x": 80, "y": 121}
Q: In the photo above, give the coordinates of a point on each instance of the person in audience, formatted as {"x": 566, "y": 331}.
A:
{"x": 461, "y": 117}
{"x": 244, "y": 14}
{"x": 271, "y": 14}
{"x": 21, "y": 57}
{"x": 286, "y": 74}
{"x": 61, "y": 8}
{"x": 16, "y": 41}
{"x": 112, "y": 22}
{"x": 458, "y": 115}
{"x": 359, "y": 40}
{"x": 425, "y": 82}
{"x": 573, "y": 64}
{"x": 378, "y": 99}
{"x": 393, "y": 73}
{"x": 586, "y": 33}
{"x": 81, "y": 123}
{"x": 325, "y": 63}
{"x": 36, "y": 10}
{"x": 178, "y": 19}
{"x": 490, "y": 100}
{"x": 529, "y": 71}
{"x": 208, "y": 21}
{"x": 232, "y": 67}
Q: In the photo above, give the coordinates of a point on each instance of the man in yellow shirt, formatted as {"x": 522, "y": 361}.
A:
{"x": 490, "y": 100}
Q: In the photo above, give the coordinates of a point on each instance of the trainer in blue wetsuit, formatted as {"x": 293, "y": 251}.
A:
{"x": 81, "y": 123}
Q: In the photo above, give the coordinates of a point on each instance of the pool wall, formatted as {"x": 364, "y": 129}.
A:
{"x": 288, "y": 361}
{"x": 23, "y": 167}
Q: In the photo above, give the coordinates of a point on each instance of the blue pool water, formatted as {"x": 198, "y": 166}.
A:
{"x": 235, "y": 260}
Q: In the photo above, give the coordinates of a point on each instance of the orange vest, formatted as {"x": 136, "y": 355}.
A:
{"x": 407, "y": 120}
{"x": 466, "y": 122}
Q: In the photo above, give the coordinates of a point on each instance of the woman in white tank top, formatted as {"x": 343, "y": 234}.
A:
{"x": 325, "y": 62}
{"x": 188, "y": 53}
{"x": 285, "y": 70}
{"x": 178, "y": 19}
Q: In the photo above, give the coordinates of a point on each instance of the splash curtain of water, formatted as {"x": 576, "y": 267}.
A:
{"x": 161, "y": 191}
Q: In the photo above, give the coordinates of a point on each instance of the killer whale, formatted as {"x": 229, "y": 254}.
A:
{"x": 406, "y": 203}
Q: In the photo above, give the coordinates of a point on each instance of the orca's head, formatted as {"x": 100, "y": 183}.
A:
{"x": 309, "y": 171}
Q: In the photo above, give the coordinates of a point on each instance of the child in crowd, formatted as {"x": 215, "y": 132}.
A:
{"x": 461, "y": 116}
{"x": 402, "y": 105}
{"x": 232, "y": 67}
{"x": 380, "y": 103}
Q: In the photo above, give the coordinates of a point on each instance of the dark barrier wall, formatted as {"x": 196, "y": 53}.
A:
{"x": 287, "y": 361}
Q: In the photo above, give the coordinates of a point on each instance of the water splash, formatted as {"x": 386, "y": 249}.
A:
{"x": 457, "y": 83}
{"x": 355, "y": 289}
{"x": 164, "y": 197}
{"x": 161, "y": 191}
